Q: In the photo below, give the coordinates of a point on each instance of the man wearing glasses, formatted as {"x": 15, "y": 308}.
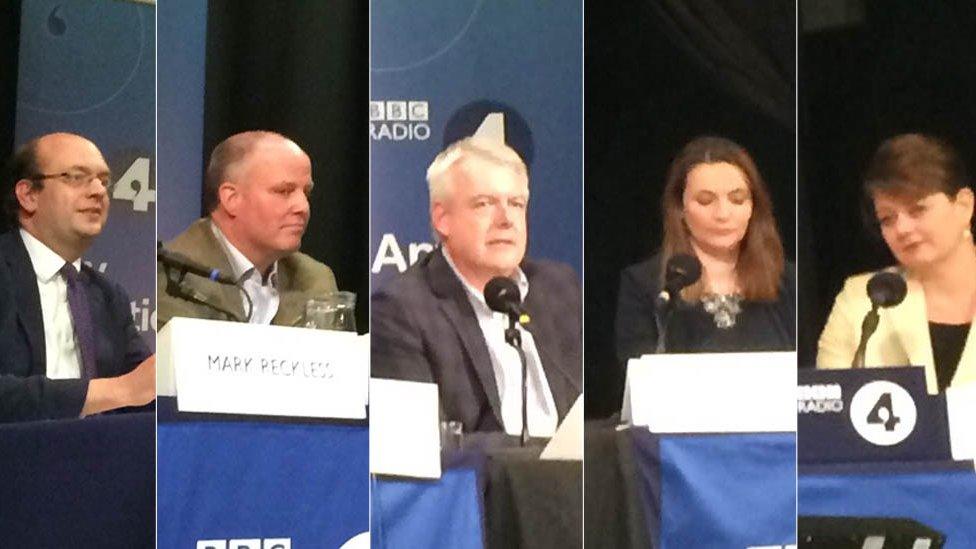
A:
{"x": 68, "y": 345}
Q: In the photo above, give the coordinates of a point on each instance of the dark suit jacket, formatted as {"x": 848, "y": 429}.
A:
{"x": 25, "y": 394}
{"x": 760, "y": 326}
{"x": 300, "y": 278}
{"x": 424, "y": 329}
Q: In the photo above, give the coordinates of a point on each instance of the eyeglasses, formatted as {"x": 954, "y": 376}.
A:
{"x": 77, "y": 178}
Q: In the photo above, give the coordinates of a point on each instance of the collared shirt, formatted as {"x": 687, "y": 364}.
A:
{"x": 263, "y": 292}
{"x": 507, "y": 366}
{"x": 61, "y": 349}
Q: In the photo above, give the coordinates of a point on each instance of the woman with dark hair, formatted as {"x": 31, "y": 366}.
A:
{"x": 917, "y": 196}
{"x": 717, "y": 208}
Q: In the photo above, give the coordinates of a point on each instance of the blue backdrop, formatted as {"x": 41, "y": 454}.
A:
{"x": 182, "y": 27}
{"x": 437, "y": 69}
{"x": 88, "y": 67}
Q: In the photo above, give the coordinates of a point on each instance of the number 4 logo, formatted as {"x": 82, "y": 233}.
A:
{"x": 888, "y": 417}
{"x": 883, "y": 413}
{"x": 133, "y": 185}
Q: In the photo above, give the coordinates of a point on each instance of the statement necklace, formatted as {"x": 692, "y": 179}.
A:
{"x": 723, "y": 307}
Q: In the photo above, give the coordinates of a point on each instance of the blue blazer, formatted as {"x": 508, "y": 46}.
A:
{"x": 25, "y": 392}
{"x": 424, "y": 329}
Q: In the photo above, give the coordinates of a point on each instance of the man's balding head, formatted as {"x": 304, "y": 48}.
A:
{"x": 58, "y": 191}
{"x": 256, "y": 191}
{"x": 229, "y": 158}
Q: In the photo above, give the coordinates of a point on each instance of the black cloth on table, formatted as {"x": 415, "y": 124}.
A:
{"x": 948, "y": 341}
{"x": 532, "y": 503}
{"x": 615, "y": 518}
{"x": 760, "y": 326}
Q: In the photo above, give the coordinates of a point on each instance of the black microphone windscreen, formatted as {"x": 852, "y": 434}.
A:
{"x": 887, "y": 289}
{"x": 682, "y": 270}
{"x": 501, "y": 293}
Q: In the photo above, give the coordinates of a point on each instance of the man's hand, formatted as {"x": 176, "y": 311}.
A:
{"x": 135, "y": 388}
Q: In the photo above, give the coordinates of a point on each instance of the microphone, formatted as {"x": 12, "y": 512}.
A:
{"x": 681, "y": 271}
{"x": 186, "y": 265}
{"x": 502, "y": 295}
{"x": 885, "y": 289}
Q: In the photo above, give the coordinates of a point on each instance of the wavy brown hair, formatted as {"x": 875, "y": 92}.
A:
{"x": 761, "y": 263}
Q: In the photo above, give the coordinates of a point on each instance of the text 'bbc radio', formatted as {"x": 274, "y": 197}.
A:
{"x": 399, "y": 120}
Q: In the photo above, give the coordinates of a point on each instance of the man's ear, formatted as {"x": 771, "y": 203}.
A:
{"x": 438, "y": 220}
{"x": 229, "y": 197}
{"x": 26, "y": 191}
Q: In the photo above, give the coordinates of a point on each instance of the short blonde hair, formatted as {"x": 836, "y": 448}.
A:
{"x": 459, "y": 152}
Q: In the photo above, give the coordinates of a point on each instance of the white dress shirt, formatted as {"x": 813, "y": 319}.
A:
{"x": 61, "y": 349}
{"x": 263, "y": 292}
{"x": 542, "y": 414}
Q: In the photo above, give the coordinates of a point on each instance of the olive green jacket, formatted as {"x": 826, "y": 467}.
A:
{"x": 300, "y": 278}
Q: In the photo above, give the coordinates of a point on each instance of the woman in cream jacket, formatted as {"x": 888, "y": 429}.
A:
{"x": 918, "y": 197}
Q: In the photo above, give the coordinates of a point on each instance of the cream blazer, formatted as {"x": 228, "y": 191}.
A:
{"x": 902, "y": 337}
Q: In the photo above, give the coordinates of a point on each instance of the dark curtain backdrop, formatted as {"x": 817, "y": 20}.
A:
{"x": 657, "y": 74}
{"x": 301, "y": 68}
{"x": 9, "y": 48}
{"x": 905, "y": 68}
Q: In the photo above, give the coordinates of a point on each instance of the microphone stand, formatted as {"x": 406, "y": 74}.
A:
{"x": 868, "y": 326}
{"x": 662, "y": 317}
{"x": 514, "y": 338}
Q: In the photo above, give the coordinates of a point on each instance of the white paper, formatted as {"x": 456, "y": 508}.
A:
{"x": 567, "y": 443}
{"x": 404, "y": 429}
{"x": 712, "y": 392}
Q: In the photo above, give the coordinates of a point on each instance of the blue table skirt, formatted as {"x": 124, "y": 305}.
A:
{"x": 223, "y": 480}
{"x": 939, "y": 495}
{"x": 78, "y": 483}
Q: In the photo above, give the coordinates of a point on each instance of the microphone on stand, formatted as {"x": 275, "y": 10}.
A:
{"x": 885, "y": 289}
{"x": 181, "y": 264}
{"x": 185, "y": 265}
{"x": 502, "y": 295}
{"x": 681, "y": 271}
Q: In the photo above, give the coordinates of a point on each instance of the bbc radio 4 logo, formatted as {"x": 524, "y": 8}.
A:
{"x": 399, "y": 120}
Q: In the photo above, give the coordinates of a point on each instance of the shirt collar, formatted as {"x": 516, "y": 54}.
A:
{"x": 46, "y": 262}
{"x": 243, "y": 268}
{"x": 520, "y": 279}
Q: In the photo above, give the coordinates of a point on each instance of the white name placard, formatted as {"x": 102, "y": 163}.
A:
{"x": 230, "y": 367}
{"x": 404, "y": 429}
{"x": 961, "y": 409}
{"x": 712, "y": 392}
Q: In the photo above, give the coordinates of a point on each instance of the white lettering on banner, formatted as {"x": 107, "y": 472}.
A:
{"x": 771, "y": 547}
{"x": 390, "y": 253}
{"x": 143, "y": 316}
{"x": 399, "y": 120}
{"x": 253, "y": 543}
{"x": 100, "y": 268}
{"x": 819, "y": 399}
{"x": 126, "y": 186}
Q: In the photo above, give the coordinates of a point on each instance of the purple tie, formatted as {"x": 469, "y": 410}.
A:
{"x": 81, "y": 318}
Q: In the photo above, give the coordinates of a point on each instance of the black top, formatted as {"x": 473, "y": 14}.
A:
{"x": 948, "y": 341}
{"x": 759, "y": 326}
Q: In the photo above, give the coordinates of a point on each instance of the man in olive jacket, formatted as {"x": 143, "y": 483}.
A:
{"x": 256, "y": 190}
